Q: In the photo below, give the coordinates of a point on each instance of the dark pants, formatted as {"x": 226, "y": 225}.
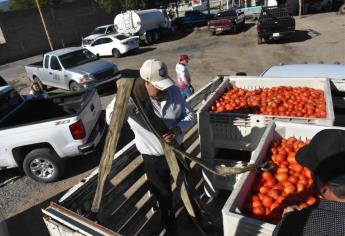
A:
{"x": 158, "y": 175}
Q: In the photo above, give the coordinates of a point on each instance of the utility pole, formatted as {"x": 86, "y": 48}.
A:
{"x": 44, "y": 25}
{"x": 208, "y": 6}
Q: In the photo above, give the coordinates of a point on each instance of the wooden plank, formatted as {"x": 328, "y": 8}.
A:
{"x": 117, "y": 197}
{"x": 139, "y": 218}
{"x": 153, "y": 226}
{"x": 87, "y": 191}
{"x": 113, "y": 135}
{"x": 121, "y": 215}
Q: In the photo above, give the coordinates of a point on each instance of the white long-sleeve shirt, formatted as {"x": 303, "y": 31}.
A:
{"x": 183, "y": 76}
{"x": 173, "y": 110}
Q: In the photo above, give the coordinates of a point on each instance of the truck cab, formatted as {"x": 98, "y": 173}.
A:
{"x": 72, "y": 69}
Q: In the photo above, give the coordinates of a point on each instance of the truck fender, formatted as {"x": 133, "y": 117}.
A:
{"x": 19, "y": 153}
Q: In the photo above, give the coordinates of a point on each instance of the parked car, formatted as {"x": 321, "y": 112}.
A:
{"x": 193, "y": 18}
{"x": 274, "y": 23}
{"x": 98, "y": 31}
{"x": 116, "y": 45}
{"x": 228, "y": 20}
{"x": 73, "y": 69}
{"x": 38, "y": 134}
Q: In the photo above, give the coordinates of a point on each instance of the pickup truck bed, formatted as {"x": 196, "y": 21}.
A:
{"x": 38, "y": 110}
{"x": 128, "y": 207}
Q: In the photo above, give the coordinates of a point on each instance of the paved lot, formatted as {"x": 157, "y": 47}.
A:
{"x": 319, "y": 38}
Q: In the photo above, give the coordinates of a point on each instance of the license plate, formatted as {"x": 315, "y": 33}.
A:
{"x": 275, "y": 34}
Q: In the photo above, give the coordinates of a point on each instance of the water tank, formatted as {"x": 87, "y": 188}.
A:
{"x": 138, "y": 22}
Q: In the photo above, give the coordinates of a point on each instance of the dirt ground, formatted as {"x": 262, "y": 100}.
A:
{"x": 319, "y": 37}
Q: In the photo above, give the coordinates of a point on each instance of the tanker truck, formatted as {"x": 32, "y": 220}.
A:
{"x": 149, "y": 24}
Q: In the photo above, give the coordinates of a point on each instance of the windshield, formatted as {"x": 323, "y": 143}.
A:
{"x": 226, "y": 14}
{"x": 121, "y": 37}
{"x": 8, "y": 101}
{"x": 77, "y": 58}
{"x": 99, "y": 30}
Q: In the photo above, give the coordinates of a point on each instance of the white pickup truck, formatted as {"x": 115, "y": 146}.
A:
{"x": 72, "y": 69}
{"x": 37, "y": 134}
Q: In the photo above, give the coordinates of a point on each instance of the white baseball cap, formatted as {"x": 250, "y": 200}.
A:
{"x": 156, "y": 72}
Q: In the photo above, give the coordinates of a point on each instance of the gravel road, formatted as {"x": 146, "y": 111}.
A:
{"x": 319, "y": 37}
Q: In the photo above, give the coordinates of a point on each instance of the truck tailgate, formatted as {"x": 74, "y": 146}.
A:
{"x": 91, "y": 112}
{"x": 222, "y": 23}
{"x": 277, "y": 25}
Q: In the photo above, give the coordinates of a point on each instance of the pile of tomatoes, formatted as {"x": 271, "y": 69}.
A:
{"x": 277, "y": 101}
{"x": 289, "y": 184}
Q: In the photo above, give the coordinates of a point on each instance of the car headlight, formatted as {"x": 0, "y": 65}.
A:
{"x": 83, "y": 79}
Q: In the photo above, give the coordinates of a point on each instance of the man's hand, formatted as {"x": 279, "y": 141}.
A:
{"x": 172, "y": 134}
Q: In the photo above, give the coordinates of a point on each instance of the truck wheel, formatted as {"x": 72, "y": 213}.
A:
{"x": 44, "y": 87}
{"x": 260, "y": 40}
{"x": 75, "y": 87}
{"x": 155, "y": 36}
{"x": 173, "y": 29}
{"x": 43, "y": 165}
{"x": 148, "y": 38}
{"x": 116, "y": 53}
{"x": 234, "y": 30}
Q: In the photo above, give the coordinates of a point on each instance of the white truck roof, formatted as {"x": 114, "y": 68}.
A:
{"x": 332, "y": 71}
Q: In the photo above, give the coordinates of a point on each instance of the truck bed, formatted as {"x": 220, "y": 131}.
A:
{"x": 36, "y": 64}
{"x": 39, "y": 110}
{"x": 128, "y": 207}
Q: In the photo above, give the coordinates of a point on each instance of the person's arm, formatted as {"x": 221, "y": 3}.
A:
{"x": 110, "y": 107}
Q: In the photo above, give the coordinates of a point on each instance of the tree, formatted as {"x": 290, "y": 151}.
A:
{"x": 25, "y": 4}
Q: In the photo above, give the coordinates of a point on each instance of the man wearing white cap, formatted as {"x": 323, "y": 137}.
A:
{"x": 170, "y": 106}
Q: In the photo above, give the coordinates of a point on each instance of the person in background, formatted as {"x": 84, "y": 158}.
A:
{"x": 171, "y": 107}
{"x": 37, "y": 92}
{"x": 325, "y": 157}
{"x": 183, "y": 77}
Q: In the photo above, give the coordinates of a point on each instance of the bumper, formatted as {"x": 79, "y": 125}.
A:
{"x": 96, "y": 83}
{"x": 275, "y": 35}
{"x": 94, "y": 138}
{"x": 219, "y": 29}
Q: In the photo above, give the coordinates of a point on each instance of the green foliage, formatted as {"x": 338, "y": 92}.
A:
{"x": 25, "y": 4}
{"x": 118, "y": 5}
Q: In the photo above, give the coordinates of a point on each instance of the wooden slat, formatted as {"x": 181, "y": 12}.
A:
{"x": 87, "y": 191}
{"x": 116, "y": 197}
{"x": 138, "y": 219}
{"x": 153, "y": 226}
{"x": 129, "y": 207}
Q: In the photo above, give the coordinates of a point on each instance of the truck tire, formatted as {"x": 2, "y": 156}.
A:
{"x": 234, "y": 29}
{"x": 260, "y": 40}
{"x": 148, "y": 38}
{"x": 75, "y": 87}
{"x": 116, "y": 53}
{"x": 173, "y": 29}
{"x": 43, "y": 165}
{"x": 155, "y": 36}
{"x": 36, "y": 79}
{"x": 292, "y": 6}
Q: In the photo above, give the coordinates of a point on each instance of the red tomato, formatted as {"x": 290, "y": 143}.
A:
{"x": 259, "y": 210}
{"x": 290, "y": 189}
{"x": 300, "y": 187}
{"x": 281, "y": 177}
{"x": 302, "y": 205}
{"x": 267, "y": 175}
{"x": 264, "y": 190}
{"x": 267, "y": 201}
{"x": 310, "y": 200}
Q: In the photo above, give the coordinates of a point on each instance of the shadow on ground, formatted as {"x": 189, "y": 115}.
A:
{"x": 297, "y": 37}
